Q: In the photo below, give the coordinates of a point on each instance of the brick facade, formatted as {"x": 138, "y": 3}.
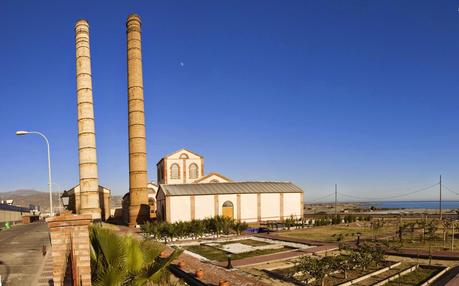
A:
{"x": 70, "y": 245}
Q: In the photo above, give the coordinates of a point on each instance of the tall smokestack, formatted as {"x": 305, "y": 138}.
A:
{"x": 89, "y": 181}
{"x": 138, "y": 180}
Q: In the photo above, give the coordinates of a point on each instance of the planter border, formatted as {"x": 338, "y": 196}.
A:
{"x": 435, "y": 277}
{"x": 397, "y": 275}
{"x": 350, "y": 282}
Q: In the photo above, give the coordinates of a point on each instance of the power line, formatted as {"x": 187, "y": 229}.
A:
{"x": 392, "y": 197}
{"x": 450, "y": 190}
{"x": 321, "y": 198}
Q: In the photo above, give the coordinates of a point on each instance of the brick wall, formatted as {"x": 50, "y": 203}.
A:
{"x": 70, "y": 238}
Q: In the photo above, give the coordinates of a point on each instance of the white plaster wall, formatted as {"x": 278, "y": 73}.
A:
{"x": 270, "y": 206}
{"x": 224, "y": 198}
{"x": 249, "y": 207}
{"x": 204, "y": 206}
{"x": 180, "y": 208}
{"x": 178, "y": 153}
{"x": 292, "y": 204}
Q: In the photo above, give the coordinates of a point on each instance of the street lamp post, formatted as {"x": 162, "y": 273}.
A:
{"x": 58, "y": 194}
{"x": 20, "y": 133}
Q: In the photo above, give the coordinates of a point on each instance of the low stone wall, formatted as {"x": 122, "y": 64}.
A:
{"x": 396, "y": 276}
{"x": 10, "y": 216}
{"x": 369, "y": 275}
{"x": 435, "y": 277}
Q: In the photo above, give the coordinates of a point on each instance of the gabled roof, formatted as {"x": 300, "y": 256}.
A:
{"x": 229, "y": 188}
{"x": 178, "y": 151}
{"x": 210, "y": 175}
{"x": 72, "y": 190}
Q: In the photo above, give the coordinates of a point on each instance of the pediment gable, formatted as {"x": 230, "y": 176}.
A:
{"x": 183, "y": 154}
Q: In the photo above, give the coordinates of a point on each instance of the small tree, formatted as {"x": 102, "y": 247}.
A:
{"x": 344, "y": 263}
{"x": 376, "y": 225}
{"x": 151, "y": 229}
{"x": 363, "y": 256}
{"x": 446, "y": 225}
{"x": 288, "y": 222}
{"x": 431, "y": 230}
{"x": 197, "y": 228}
{"x": 167, "y": 231}
{"x": 240, "y": 227}
{"x": 317, "y": 268}
{"x": 227, "y": 224}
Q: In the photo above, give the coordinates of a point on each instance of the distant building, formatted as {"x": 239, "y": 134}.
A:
{"x": 152, "y": 190}
{"x": 245, "y": 201}
{"x": 11, "y": 213}
{"x": 104, "y": 201}
{"x": 186, "y": 193}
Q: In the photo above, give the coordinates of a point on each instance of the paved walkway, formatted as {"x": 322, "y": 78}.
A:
{"x": 45, "y": 278}
{"x": 438, "y": 254}
{"x": 21, "y": 257}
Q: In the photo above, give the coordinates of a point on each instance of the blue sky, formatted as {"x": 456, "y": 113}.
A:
{"x": 360, "y": 93}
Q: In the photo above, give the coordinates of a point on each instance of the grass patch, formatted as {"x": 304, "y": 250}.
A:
{"x": 330, "y": 233}
{"x": 416, "y": 277}
{"x": 434, "y": 244}
{"x": 213, "y": 253}
{"x": 250, "y": 242}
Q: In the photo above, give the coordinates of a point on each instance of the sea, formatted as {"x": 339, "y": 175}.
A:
{"x": 413, "y": 204}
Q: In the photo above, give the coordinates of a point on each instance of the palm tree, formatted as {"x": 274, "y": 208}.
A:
{"x": 123, "y": 260}
{"x": 151, "y": 229}
{"x": 197, "y": 228}
{"x": 227, "y": 224}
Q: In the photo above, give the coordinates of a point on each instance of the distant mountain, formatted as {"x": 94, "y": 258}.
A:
{"x": 26, "y": 197}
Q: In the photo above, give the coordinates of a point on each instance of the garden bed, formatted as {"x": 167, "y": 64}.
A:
{"x": 416, "y": 277}
{"x": 340, "y": 233}
{"x": 250, "y": 242}
{"x": 216, "y": 254}
{"x": 285, "y": 274}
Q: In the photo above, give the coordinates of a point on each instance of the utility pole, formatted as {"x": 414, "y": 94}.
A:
{"x": 440, "y": 200}
{"x": 336, "y": 198}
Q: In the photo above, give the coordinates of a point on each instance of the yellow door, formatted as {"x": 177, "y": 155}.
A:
{"x": 228, "y": 212}
{"x": 227, "y": 209}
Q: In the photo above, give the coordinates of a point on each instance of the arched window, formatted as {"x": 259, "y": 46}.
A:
{"x": 175, "y": 171}
{"x": 183, "y": 156}
{"x": 214, "y": 181}
{"x": 194, "y": 171}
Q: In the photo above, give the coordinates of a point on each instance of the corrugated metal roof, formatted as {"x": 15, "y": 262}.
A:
{"x": 229, "y": 188}
{"x": 13, "y": 208}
